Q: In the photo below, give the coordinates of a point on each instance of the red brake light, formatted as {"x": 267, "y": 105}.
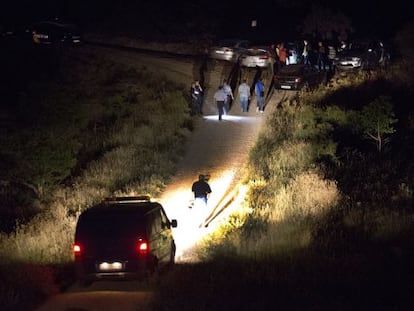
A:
{"x": 76, "y": 249}
{"x": 142, "y": 247}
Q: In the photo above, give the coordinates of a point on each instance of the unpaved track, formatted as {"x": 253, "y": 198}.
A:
{"x": 216, "y": 148}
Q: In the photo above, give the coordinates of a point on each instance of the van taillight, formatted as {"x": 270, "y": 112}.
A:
{"x": 142, "y": 247}
{"x": 76, "y": 249}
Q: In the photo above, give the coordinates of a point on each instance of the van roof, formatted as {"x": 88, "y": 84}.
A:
{"x": 136, "y": 207}
{"x": 127, "y": 199}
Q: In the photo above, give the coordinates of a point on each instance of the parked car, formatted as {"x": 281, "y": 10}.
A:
{"x": 298, "y": 76}
{"x": 362, "y": 55}
{"x": 259, "y": 56}
{"x": 54, "y": 32}
{"x": 123, "y": 238}
{"x": 229, "y": 49}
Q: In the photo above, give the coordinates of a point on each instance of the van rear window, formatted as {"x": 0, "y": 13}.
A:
{"x": 108, "y": 224}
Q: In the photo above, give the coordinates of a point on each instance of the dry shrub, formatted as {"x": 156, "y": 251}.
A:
{"x": 312, "y": 195}
{"x": 290, "y": 214}
{"x": 47, "y": 239}
{"x": 289, "y": 158}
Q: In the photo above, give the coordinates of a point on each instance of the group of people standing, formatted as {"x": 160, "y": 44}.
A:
{"x": 325, "y": 56}
{"x": 322, "y": 56}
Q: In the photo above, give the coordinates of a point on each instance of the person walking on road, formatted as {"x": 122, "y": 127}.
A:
{"x": 201, "y": 189}
{"x": 244, "y": 95}
{"x": 220, "y": 97}
{"x": 229, "y": 99}
{"x": 259, "y": 92}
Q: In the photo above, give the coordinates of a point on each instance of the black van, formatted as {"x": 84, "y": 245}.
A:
{"x": 123, "y": 238}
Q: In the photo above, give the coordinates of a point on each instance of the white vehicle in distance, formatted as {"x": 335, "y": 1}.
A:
{"x": 257, "y": 57}
{"x": 228, "y": 50}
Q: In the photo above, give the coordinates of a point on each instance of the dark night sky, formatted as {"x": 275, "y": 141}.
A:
{"x": 372, "y": 15}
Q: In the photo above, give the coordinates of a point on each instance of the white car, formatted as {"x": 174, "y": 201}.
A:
{"x": 228, "y": 50}
{"x": 257, "y": 57}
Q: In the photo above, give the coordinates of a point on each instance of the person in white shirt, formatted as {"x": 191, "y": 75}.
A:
{"x": 227, "y": 89}
{"x": 220, "y": 97}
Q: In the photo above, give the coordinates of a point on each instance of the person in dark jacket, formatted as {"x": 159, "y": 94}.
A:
{"x": 322, "y": 56}
{"x": 201, "y": 189}
{"x": 196, "y": 93}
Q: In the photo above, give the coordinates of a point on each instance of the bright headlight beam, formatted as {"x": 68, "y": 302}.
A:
{"x": 192, "y": 221}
